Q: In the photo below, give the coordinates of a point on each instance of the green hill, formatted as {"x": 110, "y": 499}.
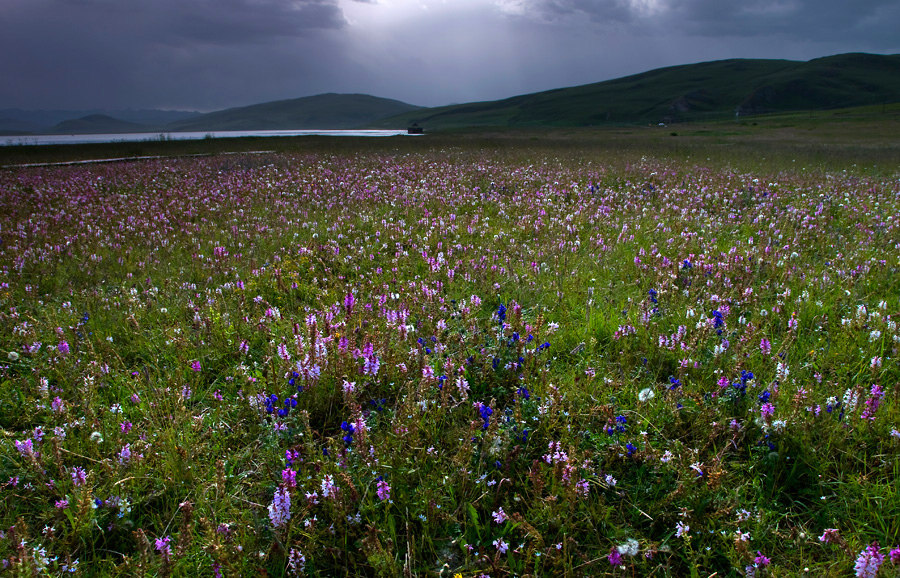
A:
{"x": 324, "y": 111}
{"x": 705, "y": 91}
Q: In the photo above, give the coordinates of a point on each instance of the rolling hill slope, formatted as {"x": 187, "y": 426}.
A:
{"x": 323, "y": 111}
{"x": 709, "y": 90}
{"x": 97, "y": 124}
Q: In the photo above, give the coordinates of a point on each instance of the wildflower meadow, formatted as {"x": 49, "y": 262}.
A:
{"x": 450, "y": 362}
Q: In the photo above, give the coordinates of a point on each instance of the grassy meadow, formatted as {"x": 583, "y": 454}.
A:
{"x": 618, "y": 352}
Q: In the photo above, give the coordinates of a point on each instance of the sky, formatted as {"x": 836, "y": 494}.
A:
{"x": 212, "y": 54}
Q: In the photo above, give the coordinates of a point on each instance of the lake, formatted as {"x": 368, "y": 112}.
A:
{"x": 56, "y": 139}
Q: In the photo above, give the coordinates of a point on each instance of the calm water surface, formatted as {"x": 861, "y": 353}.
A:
{"x": 53, "y": 139}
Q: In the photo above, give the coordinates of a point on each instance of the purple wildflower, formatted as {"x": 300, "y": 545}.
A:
{"x": 895, "y": 555}
{"x": 869, "y": 561}
{"x": 383, "y": 491}
{"x": 614, "y": 557}
{"x": 79, "y": 476}
{"x": 875, "y": 396}
{"x": 280, "y": 508}
{"x": 349, "y": 300}
{"x": 163, "y": 547}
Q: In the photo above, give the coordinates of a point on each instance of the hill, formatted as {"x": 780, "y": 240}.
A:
{"x": 18, "y": 121}
{"x": 323, "y": 111}
{"x": 97, "y": 124}
{"x": 704, "y": 91}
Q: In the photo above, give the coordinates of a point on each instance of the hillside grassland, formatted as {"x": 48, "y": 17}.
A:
{"x": 514, "y": 353}
{"x": 705, "y": 91}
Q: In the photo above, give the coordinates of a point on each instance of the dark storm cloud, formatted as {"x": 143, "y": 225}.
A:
{"x": 168, "y": 21}
{"x": 874, "y": 22}
{"x": 159, "y": 52}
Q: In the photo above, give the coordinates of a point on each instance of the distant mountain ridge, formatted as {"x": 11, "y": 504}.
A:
{"x": 323, "y": 111}
{"x": 708, "y": 90}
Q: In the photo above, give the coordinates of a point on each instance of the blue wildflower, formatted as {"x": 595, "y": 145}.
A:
{"x": 348, "y": 427}
{"x": 486, "y": 413}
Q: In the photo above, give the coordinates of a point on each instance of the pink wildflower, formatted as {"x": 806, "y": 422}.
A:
{"x": 830, "y": 536}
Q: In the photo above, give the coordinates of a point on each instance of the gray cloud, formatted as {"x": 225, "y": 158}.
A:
{"x": 230, "y": 21}
{"x": 604, "y": 11}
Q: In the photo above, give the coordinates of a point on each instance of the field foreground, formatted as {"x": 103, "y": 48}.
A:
{"x": 455, "y": 361}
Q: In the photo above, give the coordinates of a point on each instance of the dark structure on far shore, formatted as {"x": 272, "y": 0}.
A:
{"x": 415, "y": 129}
